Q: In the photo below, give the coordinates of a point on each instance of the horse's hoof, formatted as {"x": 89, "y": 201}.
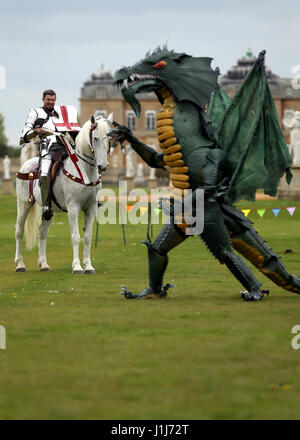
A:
{"x": 78, "y": 272}
{"x": 90, "y": 271}
{"x": 44, "y": 269}
{"x": 20, "y": 269}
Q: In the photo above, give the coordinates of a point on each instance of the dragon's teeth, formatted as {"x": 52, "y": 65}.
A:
{"x": 139, "y": 76}
{"x": 126, "y": 83}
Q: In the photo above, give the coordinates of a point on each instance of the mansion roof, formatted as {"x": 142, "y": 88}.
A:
{"x": 101, "y": 85}
{"x": 280, "y": 87}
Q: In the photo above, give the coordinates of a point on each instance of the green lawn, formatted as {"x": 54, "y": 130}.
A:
{"x": 76, "y": 349}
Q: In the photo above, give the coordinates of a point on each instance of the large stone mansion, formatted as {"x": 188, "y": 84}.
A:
{"x": 100, "y": 96}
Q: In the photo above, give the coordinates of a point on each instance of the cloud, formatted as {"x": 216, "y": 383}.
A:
{"x": 61, "y": 44}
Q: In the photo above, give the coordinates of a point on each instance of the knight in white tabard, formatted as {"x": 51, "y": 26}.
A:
{"x": 41, "y": 120}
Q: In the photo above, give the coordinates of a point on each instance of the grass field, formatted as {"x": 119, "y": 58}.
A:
{"x": 76, "y": 349}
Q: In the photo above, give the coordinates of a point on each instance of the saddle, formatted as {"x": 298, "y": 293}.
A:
{"x": 58, "y": 157}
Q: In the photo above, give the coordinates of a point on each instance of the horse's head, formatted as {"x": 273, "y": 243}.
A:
{"x": 98, "y": 140}
{"x": 93, "y": 142}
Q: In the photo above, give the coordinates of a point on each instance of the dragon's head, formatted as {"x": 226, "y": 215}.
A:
{"x": 186, "y": 77}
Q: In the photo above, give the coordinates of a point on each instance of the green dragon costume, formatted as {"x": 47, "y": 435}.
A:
{"x": 239, "y": 142}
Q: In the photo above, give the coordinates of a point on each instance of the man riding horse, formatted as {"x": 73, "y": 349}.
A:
{"x": 41, "y": 120}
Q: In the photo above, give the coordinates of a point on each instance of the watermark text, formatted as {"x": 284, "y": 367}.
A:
{"x": 2, "y": 338}
{"x": 295, "y": 340}
{"x": 2, "y": 77}
{"x": 138, "y": 206}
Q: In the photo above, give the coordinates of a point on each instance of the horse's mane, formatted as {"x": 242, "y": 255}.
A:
{"x": 83, "y": 136}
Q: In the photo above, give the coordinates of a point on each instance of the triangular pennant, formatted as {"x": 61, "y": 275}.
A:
{"x": 291, "y": 209}
{"x": 276, "y": 211}
{"x": 143, "y": 209}
{"x": 246, "y": 212}
{"x": 128, "y": 207}
{"x": 261, "y": 212}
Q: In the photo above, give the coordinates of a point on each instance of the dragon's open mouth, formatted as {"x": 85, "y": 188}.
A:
{"x": 138, "y": 83}
{"x": 134, "y": 79}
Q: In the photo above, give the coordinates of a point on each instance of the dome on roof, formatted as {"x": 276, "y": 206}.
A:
{"x": 243, "y": 66}
{"x": 102, "y": 75}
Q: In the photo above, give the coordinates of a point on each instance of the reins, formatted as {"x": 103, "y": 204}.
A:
{"x": 80, "y": 180}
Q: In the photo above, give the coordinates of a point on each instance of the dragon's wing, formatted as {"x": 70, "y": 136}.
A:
{"x": 218, "y": 104}
{"x": 251, "y": 136}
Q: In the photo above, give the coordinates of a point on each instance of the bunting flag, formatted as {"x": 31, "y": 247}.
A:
{"x": 143, "y": 209}
{"x": 158, "y": 211}
{"x": 246, "y": 212}
{"x": 261, "y": 212}
{"x": 291, "y": 210}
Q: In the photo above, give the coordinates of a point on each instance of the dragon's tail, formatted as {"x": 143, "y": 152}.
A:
{"x": 251, "y": 246}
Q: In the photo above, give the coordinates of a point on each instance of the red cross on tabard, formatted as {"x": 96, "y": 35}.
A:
{"x": 66, "y": 123}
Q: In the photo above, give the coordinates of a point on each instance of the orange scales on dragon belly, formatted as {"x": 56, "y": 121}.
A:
{"x": 168, "y": 143}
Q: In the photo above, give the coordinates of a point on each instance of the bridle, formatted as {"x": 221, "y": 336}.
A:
{"x": 91, "y": 158}
{"x": 91, "y": 146}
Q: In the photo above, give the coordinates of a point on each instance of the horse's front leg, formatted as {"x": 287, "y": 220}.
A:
{"x": 42, "y": 258}
{"x": 73, "y": 213}
{"x": 89, "y": 216}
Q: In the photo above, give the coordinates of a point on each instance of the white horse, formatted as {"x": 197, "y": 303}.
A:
{"x": 71, "y": 194}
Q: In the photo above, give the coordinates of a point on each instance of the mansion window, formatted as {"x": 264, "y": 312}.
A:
{"x": 130, "y": 120}
{"x": 150, "y": 119}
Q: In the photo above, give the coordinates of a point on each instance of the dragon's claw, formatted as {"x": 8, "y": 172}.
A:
{"x": 126, "y": 293}
{"x": 255, "y": 295}
{"x": 147, "y": 293}
{"x": 120, "y": 134}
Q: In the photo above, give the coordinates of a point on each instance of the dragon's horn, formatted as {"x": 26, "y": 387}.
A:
{"x": 165, "y": 45}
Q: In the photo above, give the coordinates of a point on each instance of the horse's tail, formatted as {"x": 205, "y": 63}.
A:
{"x": 32, "y": 225}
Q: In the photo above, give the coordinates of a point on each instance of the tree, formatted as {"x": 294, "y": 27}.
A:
{"x": 3, "y": 138}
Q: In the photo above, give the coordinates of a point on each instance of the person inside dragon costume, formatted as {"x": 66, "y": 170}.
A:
{"x": 207, "y": 140}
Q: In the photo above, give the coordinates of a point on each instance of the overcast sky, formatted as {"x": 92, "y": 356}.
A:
{"x": 59, "y": 44}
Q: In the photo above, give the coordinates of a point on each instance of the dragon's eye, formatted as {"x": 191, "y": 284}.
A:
{"x": 160, "y": 65}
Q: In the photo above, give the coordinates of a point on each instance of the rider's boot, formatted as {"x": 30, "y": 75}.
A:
{"x": 47, "y": 212}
